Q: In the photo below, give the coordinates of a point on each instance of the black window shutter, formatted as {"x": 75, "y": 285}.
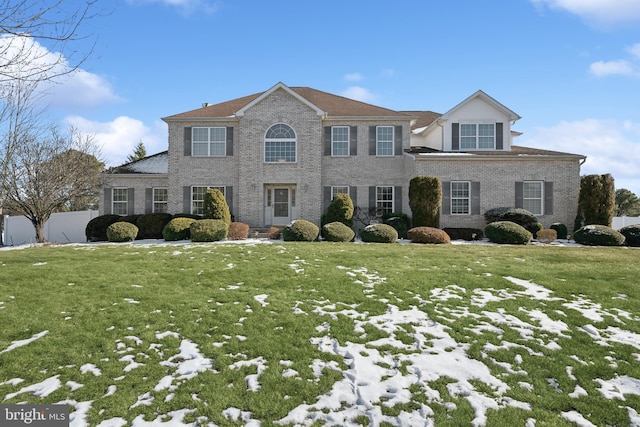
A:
{"x": 548, "y": 198}
{"x": 327, "y": 140}
{"x": 372, "y": 140}
{"x": 186, "y": 199}
{"x": 353, "y": 140}
{"x": 148, "y": 200}
{"x": 499, "y": 136}
{"x": 326, "y": 197}
{"x": 397, "y": 199}
{"x": 187, "y": 141}
{"x": 372, "y": 198}
{"x": 107, "y": 201}
{"x": 446, "y": 198}
{"x": 397, "y": 141}
{"x": 353, "y": 193}
{"x": 519, "y": 194}
{"x": 229, "y": 141}
{"x": 475, "y": 198}
{"x": 131, "y": 202}
{"x": 455, "y": 136}
{"x": 228, "y": 195}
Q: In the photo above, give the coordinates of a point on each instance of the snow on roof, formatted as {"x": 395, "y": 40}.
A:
{"x": 158, "y": 163}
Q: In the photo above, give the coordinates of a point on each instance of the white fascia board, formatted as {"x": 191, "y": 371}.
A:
{"x": 284, "y": 87}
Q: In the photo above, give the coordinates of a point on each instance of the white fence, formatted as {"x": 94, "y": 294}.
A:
{"x": 623, "y": 221}
{"x": 63, "y": 227}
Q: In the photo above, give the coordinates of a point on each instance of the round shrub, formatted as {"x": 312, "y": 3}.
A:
{"x": 462, "y": 233}
{"x": 631, "y": 234}
{"x": 337, "y": 232}
{"x": 507, "y": 232}
{"x": 547, "y": 235}
{"x": 428, "y": 235}
{"x": 274, "y": 233}
{"x": 208, "y": 230}
{"x": 238, "y": 231}
{"x": 96, "y": 229}
{"x": 379, "y": 233}
{"x": 561, "y": 230}
{"x": 520, "y": 216}
{"x": 151, "y": 225}
{"x": 399, "y": 221}
{"x": 300, "y": 230}
{"x": 122, "y": 231}
{"x": 178, "y": 229}
{"x": 534, "y": 229}
{"x": 598, "y": 235}
{"x": 340, "y": 209}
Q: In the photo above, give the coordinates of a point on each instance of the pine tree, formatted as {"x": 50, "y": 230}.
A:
{"x": 139, "y": 153}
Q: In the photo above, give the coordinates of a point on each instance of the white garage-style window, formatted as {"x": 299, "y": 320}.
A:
{"x": 280, "y": 144}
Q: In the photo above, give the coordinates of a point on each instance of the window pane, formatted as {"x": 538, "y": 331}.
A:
{"x": 160, "y": 198}
{"x": 120, "y": 201}
{"x": 384, "y": 141}
{"x": 218, "y": 149}
{"x": 280, "y": 131}
{"x": 532, "y": 197}
{"x": 340, "y": 141}
{"x": 280, "y": 151}
{"x": 460, "y": 198}
{"x": 339, "y": 190}
{"x": 384, "y": 200}
{"x": 200, "y": 134}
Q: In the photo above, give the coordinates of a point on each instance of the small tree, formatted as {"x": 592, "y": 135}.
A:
{"x": 627, "y": 203}
{"x": 340, "y": 209}
{"x": 139, "y": 153}
{"x": 596, "y": 202}
{"x": 216, "y": 207}
{"x": 425, "y": 197}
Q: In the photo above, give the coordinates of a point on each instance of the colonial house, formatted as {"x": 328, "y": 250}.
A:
{"x": 284, "y": 153}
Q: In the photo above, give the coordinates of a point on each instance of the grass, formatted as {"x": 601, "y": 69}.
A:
{"x": 106, "y": 304}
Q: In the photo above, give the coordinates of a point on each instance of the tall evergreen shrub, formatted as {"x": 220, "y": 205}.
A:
{"x": 597, "y": 200}
{"x": 425, "y": 197}
{"x": 340, "y": 210}
{"x": 216, "y": 207}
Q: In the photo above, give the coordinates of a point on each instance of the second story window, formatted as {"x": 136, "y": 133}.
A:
{"x": 280, "y": 144}
{"x": 480, "y": 136}
{"x": 340, "y": 141}
{"x": 209, "y": 141}
{"x": 384, "y": 141}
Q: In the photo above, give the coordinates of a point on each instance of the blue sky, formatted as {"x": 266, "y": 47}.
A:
{"x": 570, "y": 68}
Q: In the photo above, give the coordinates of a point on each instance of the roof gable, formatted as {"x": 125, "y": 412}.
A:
{"x": 280, "y": 86}
{"x": 489, "y": 100}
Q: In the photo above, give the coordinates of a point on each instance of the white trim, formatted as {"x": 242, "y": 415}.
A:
{"x": 284, "y": 87}
{"x": 459, "y": 198}
{"x": 348, "y": 141}
{"x": 393, "y": 140}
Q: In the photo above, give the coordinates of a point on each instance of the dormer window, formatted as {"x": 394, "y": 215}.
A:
{"x": 477, "y": 136}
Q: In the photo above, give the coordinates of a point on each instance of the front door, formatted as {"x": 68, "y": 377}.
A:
{"x": 281, "y": 206}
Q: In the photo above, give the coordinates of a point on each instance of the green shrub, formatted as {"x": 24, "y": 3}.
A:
{"x": 520, "y": 216}
{"x": 534, "y": 228}
{"x": 561, "y": 230}
{"x": 425, "y": 197}
{"x": 507, "y": 232}
{"x": 216, "y": 207}
{"x": 468, "y": 234}
{"x": 428, "y": 235}
{"x": 631, "y": 234}
{"x": 131, "y": 219}
{"x": 122, "y": 231}
{"x": 337, "y": 232}
{"x": 399, "y": 221}
{"x": 300, "y": 230}
{"x": 208, "y": 230}
{"x": 238, "y": 231}
{"x": 96, "y": 229}
{"x": 596, "y": 201}
{"x": 598, "y": 235}
{"x": 178, "y": 229}
{"x": 340, "y": 209}
{"x": 151, "y": 225}
{"x": 379, "y": 233}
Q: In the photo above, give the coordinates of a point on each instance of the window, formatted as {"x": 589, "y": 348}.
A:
{"x": 460, "y": 198}
{"x": 209, "y": 141}
{"x": 477, "y": 136}
{"x": 160, "y": 200}
{"x": 340, "y": 141}
{"x": 120, "y": 201}
{"x": 384, "y": 200}
{"x": 384, "y": 140}
{"x": 532, "y": 197}
{"x": 339, "y": 189}
{"x": 280, "y": 144}
{"x": 197, "y": 198}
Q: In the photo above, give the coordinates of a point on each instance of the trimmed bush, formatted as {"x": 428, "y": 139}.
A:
{"x": 379, "y": 233}
{"x": 534, "y": 229}
{"x": 274, "y": 233}
{"x": 596, "y": 201}
{"x": 520, "y": 216}
{"x": 399, "y": 221}
{"x": 122, "y": 231}
{"x": 300, "y": 230}
{"x": 178, "y": 229}
{"x": 96, "y": 229}
{"x": 561, "y": 230}
{"x": 598, "y": 235}
{"x": 468, "y": 234}
{"x": 340, "y": 209}
{"x": 428, "y": 235}
{"x": 238, "y": 231}
{"x": 208, "y": 230}
{"x": 631, "y": 234}
{"x": 507, "y": 232}
{"x": 547, "y": 235}
{"x": 337, "y": 232}
{"x": 216, "y": 207}
{"x": 425, "y": 197}
{"x": 151, "y": 225}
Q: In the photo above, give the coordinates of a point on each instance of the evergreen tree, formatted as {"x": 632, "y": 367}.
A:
{"x": 139, "y": 153}
{"x": 216, "y": 207}
{"x": 627, "y": 203}
{"x": 596, "y": 202}
{"x": 425, "y": 197}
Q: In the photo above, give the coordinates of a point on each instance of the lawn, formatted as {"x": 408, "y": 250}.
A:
{"x": 274, "y": 333}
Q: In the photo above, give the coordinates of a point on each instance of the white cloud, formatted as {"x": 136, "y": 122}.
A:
{"x": 353, "y": 77}
{"x": 359, "y": 94}
{"x": 611, "y": 147}
{"x": 118, "y": 138}
{"x": 634, "y": 50}
{"x": 598, "y": 12}
{"x": 185, "y": 6}
{"x": 608, "y": 68}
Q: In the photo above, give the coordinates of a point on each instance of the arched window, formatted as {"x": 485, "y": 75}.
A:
{"x": 280, "y": 144}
